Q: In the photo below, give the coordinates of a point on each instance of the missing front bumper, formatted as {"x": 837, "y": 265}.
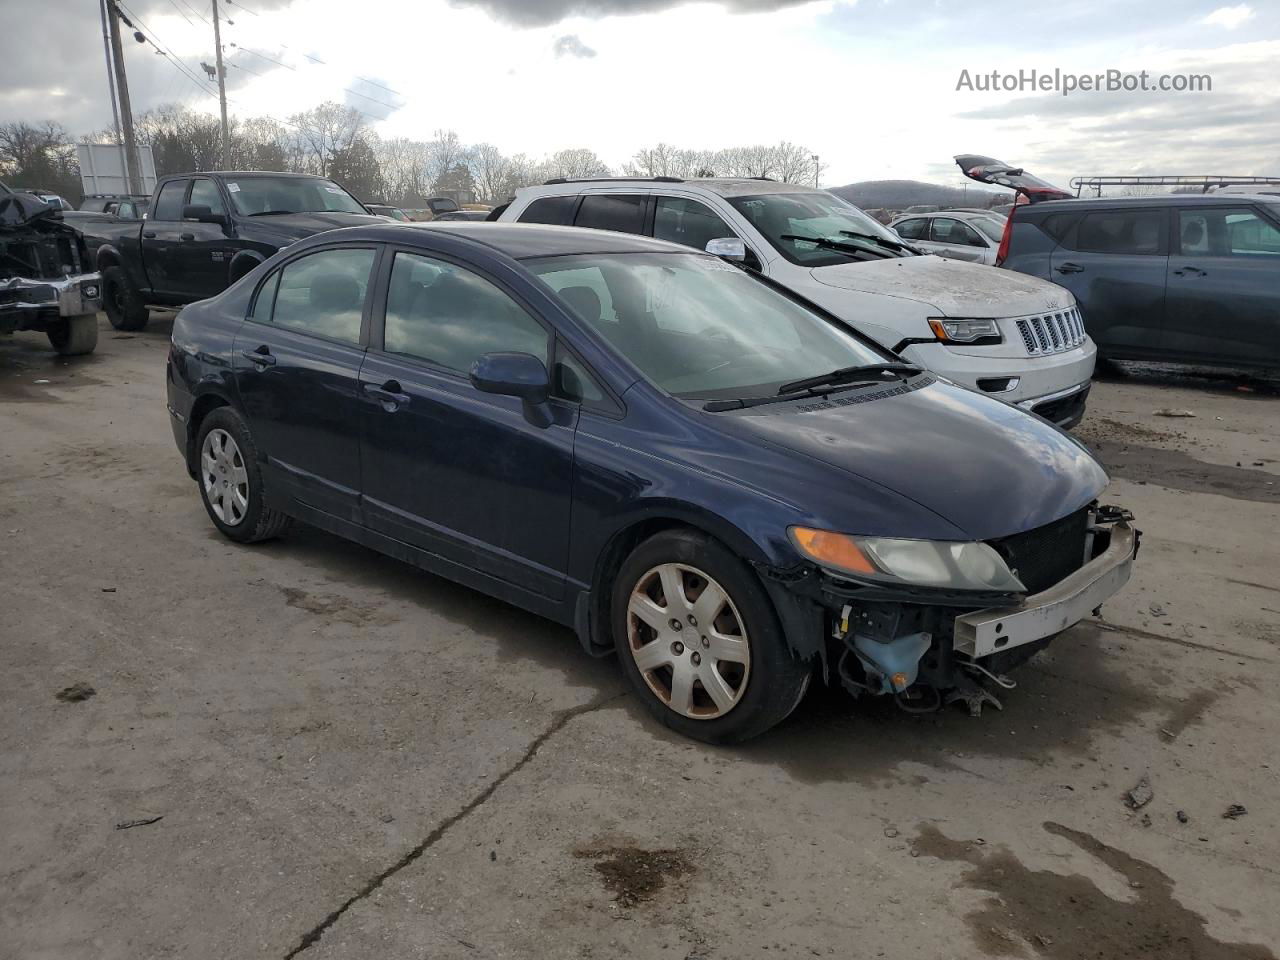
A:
{"x": 1051, "y": 611}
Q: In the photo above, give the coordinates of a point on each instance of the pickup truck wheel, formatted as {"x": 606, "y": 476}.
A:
{"x": 230, "y": 480}
{"x": 700, "y": 641}
{"x": 122, "y": 301}
{"x": 74, "y": 336}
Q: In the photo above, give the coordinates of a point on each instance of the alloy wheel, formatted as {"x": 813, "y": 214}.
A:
{"x": 225, "y": 479}
{"x": 688, "y": 641}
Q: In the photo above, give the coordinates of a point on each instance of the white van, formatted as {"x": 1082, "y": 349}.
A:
{"x": 1007, "y": 334}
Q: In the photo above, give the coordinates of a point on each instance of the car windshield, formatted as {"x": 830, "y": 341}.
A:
{"x": 993, "y": 229}
{"x": 698, "y": 327}
{"x": 843, "y": 233}
{"x": 272, "y": 195}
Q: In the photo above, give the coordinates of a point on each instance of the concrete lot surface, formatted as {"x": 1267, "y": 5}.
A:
{"x": 352, "y": 759}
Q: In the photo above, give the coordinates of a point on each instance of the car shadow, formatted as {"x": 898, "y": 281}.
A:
{"x": 1242, "y": 381}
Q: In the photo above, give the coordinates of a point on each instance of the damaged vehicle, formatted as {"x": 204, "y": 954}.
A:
{"x": 680, "y": 460}
{"x": 44, "y": 281}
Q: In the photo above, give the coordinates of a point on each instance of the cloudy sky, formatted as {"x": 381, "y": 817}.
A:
{"x": 869, "y": 85}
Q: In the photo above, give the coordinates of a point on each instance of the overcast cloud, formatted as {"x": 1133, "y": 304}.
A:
{"x": 871, "y": 87}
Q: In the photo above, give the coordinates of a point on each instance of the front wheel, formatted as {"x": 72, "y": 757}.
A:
{"x": 700, "y": 642}
{"x": 74, "y": 336}
{"x": 231, "y": 480}
{"x": 121, "y": 300}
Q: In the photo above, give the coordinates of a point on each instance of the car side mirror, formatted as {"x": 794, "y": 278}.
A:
{"x": 203, "y": 214}
{"x": 728, "y": 248}
{"x": 512, "y": 375}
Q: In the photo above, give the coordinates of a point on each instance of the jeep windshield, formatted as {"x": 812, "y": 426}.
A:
{"x": 819, "y": 229}
{"x": 267, "y": 196}
{"x": 701, "y": 329}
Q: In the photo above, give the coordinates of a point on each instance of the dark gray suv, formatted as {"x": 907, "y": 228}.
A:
{"x": 1190, "y": 278}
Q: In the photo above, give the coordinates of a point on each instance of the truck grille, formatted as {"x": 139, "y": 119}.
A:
{"x": 1052, "y": 333}
{"x": 1045, "y": 555}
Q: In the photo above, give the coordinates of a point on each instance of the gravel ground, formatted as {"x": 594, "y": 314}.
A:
{"x": 305, "y": 749}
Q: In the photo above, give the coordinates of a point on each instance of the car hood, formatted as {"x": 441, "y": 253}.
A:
{"x": 295, "y": 226}
{"x": 950, "y": 287}
{"x": 984, "y": 466}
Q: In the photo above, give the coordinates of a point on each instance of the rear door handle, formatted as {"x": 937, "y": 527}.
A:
{"x": 389, "y": 394}
{"x": 150, "y": 234}
{"x": 1070, "y": 268}
{"x": 261, "y": 356}
{"x": 188, "y": 236}
{"x": 1193, "y": 271}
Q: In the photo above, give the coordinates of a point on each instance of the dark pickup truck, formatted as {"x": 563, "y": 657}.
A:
{"x": 204, "y": 231}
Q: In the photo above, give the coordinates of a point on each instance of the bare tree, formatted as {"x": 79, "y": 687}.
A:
{"x": 444, "y": 152}
{"x": 323, "y": 131}
{"x": 491, "y": 172}
{"x": 577, "y": 162}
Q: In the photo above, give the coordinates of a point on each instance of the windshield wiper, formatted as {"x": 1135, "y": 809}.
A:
{"x": 880, "y": 241}
{"x": 271, "y": 213}
{"x": 866, "y": 372}
{"x": 848, "y": 249}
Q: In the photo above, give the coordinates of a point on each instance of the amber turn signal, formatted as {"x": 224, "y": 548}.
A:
{"x": 832, "y": 550}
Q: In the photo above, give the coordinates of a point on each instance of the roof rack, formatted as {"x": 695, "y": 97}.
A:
{"x": 555, "y": 180}
{"x": 1172, "y": 180}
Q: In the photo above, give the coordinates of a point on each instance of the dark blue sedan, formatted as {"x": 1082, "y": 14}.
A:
{"x": 654, "y": 446}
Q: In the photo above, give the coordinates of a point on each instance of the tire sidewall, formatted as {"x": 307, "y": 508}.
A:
{"x": 130, "y": 314}
{"x": 776, "y": 679}
{"x": 226, "y": 418}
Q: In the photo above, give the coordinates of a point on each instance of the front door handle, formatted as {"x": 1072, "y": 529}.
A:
{"x": 1070, "y": 268}
{"x": 1191, "y": 271}
{"x": 260, "y": 356}
{"x": 188, "y": 236}
{"x": 149, "y": 234}
{"x": 389, "y": 394}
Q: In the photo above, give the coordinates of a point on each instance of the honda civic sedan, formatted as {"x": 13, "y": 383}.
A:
{"x": 676, "y": 458}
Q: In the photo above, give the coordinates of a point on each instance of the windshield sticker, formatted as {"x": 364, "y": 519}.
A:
{"x": 233, "y": 188}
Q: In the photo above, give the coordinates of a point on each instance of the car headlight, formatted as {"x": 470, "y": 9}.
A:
{"x": 966, "y": 331}
{"x": 926, "y": 563}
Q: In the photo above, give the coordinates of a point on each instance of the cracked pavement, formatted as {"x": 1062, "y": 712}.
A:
{"x": 354, "y": 759}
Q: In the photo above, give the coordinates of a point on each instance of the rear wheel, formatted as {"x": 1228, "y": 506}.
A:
{"x": 122, "y": 301}
{"x": 700, "y": 641}
{"x": 74, "y": 336}
{"x": 231, "y": 480}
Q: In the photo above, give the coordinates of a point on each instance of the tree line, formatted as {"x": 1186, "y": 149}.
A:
{"x": 339, "y": 142}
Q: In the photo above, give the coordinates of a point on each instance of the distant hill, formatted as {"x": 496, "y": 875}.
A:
{"x": 900, "y": 194}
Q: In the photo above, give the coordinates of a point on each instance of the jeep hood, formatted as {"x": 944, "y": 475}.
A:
{"x": 987, "y": 468}
{"x": 950, "y": 288}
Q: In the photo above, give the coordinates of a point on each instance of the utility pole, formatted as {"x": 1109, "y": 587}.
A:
{"x": 816, "y": 169}
{"x": 222, "y": 89}
{"x": 111, "y": 75}
{"x": 122, "y": 90}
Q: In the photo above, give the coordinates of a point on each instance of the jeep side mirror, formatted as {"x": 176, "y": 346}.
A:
{"x": 728, "y": 248}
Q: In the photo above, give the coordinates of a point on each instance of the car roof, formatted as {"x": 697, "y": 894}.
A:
{"x": 519, "y": 241}
{"x": 1161, "y": 199}
{"x": 722, "y": 186}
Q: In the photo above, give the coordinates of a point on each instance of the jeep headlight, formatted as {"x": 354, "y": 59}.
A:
{"x": 966, "y": 331}
{"x": 951, "y": 565}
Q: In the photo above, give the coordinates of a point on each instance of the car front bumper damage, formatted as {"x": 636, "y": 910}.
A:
{"x": 928, "y": 647}
{"x": 27, "y": 304}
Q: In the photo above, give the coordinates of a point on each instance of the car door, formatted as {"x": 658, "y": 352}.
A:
{"x": 297, "y": 363}
{"x": 954, "y": 238}
{"x": 162, "y": 239}
{"x": 914, "y": 230}
{"x": 469, "y": 476}
{"x": 204, "y": 249}
{"x": 692, "y": 223}
{"x": 1223, "y": 299}
{"x": 1114, "y": 261}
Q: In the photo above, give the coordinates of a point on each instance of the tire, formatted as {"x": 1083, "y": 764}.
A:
{"x": 230, "y": 480}
{"x": 757, "y": 682}
{"x": 74, "y": 336}
{"x": 122, "y": 301}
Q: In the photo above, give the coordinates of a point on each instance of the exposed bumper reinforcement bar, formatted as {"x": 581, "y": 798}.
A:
{"x": 1051, "y": 611}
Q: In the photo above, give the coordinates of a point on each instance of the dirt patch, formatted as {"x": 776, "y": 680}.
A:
{"x": 75, "y": 693}
{"x": 1105, "y": 430}
{"x": 337, "y": 608}
{"x": 1180, "y": 471}
{"x": 1042, "y": 913}
{"x": 1190, "y": 711}
{"x": 634, "y": 875}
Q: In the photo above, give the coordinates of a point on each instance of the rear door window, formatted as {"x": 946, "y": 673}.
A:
{"x": 612, "y": 211}
{"x": 169, "y": 202}
{"x": 556, "y": 211}
{"x": 1122, "y": 231}
{"x": 323, "y": 293}
{"x": 1226, "y": 232}
{"x": 954, "y": 232}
